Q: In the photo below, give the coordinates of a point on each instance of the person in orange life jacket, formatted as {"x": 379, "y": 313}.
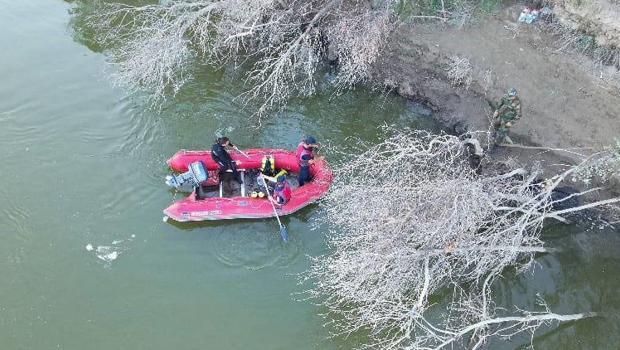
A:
{"x": 223, "y": 159}
{"x": 304, "y": 169}
{"x": 282, "y": 191}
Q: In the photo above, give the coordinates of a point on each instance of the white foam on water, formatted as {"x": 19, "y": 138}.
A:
{"x": 103, "y": 248}
{"x": 108, "y": 257}
{"x": 109, "y": 253}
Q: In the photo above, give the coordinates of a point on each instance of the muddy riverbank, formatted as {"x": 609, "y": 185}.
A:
{"x": 456, "y": 72}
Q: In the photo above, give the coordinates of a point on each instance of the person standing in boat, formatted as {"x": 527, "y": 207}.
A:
{"x": 306, "y": 151}
{"x": 307, "y": 146}
{"x": 282, "y": 191}
{"x": 222, "y": 158}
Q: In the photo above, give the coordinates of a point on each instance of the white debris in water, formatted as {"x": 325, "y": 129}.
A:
{"x": 109, "y": 253}
{"x": 221, "y": 132}
{"x": 165, "y": 219}
{"x": 103, "y": 248}
{"x": 108, "y": 257}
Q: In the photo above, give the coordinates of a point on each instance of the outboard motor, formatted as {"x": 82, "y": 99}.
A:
{"x": 195, "y": 176}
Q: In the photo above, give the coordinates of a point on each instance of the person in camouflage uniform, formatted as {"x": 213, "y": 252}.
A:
{"x": 507, "y": 112}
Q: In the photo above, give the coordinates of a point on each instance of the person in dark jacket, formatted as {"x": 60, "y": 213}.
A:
{"x": 222, "y": 158}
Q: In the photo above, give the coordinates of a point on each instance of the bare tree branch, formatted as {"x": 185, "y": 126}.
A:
{"x": 281, "y": 44}
{"x": 410, "y": 218}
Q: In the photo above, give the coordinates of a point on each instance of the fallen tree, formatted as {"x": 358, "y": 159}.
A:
{"x": 279, "y": 45}
{"x": 411, "y": 218}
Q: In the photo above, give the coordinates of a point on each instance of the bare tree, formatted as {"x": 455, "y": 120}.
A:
{"x": 279, "y": 43}
{"x": 412, "y": 219}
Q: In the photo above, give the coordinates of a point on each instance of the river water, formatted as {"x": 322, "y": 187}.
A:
{"x": 82, "y": 166}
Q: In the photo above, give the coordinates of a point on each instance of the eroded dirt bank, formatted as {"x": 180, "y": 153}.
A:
{"x": 599, "y": 18}
{"x": 565, "y": 103}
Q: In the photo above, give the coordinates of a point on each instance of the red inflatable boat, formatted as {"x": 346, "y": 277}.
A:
{"x": 218, "y": 206}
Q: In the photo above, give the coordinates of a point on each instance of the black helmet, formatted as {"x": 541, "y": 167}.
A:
{"x": 309, "y": 139}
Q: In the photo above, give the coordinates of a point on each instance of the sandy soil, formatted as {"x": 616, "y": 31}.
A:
{"x": 564, "y": 104}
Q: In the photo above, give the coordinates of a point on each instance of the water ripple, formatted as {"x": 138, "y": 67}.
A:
{"x": 255, "y": 249}
{"x": 17, "y": 217}
{"x": 15, "y": 226}
{"x": 251, "y": 246}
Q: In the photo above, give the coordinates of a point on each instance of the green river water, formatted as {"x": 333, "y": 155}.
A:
{"x": 83, "y": 163}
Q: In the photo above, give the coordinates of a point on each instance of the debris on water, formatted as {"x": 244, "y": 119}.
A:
{"x": 165, "y": 219}
{"x": 106, "y": 253}
{"x": 221, "y": 132}
{"x": 109, "y": 253}
{"x": 108, "y": 257}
